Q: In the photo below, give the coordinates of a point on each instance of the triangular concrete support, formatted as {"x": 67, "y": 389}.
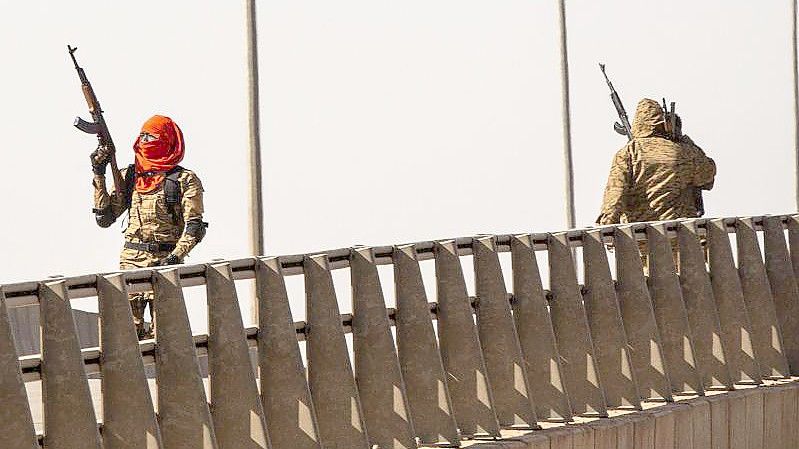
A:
{"x": 286, "y": 398}
{"x": 183, "y": 411}
{"x": 18, "y": 431}
{"x": 783, "y": 283}
{"x": 501, "y": 348}
{"x": 766, "y": 335}
{"x": 129, "y": 419}
{"x": 69, "y": 419}
{"x": 639, "y": 318}
{"x": 607, "y": 330}
{"x": 697, "y": 292}
{"x": 338, "y": 406}
{"x": 670, "y": 314}
{"x": 736, "y": 329}
{"x": 422, "y": 369}
{"x": 377, "y": 370}
{"x": 236, "y": 408}
{"x": 570, "y": 324}
{"x": 460, "y": 348}
{"x": 536, "y": 337}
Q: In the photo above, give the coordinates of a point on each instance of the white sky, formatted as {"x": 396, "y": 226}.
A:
{"x": 382, "y": 121}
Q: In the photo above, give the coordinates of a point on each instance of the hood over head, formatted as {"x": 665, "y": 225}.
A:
{"x": 158, "y": 149}
{"x": 649, "y": 119}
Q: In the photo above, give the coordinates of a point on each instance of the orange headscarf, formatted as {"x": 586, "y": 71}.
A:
{"x": 156, "y": 157}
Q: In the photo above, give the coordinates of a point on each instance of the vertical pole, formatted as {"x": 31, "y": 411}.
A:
{"x": 795, "y": 97}
{"x": 566, "y": 116}
{"x": 256, "y": 205}
{"x": 256, "y": 200}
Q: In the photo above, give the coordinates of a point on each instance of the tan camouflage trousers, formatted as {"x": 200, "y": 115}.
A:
{"x": 138, "y": 304}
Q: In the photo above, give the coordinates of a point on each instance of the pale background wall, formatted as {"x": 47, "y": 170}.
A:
{"x": 382, "y": 122}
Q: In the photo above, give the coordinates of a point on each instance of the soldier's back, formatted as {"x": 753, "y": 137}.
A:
{"x": 662, "y": 174}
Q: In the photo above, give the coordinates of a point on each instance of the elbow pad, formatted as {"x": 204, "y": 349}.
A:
{"x": 196, "y": 228}
{"x": 104, "y": 217}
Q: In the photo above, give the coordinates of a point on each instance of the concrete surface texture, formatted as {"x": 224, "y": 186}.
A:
{"x": 619, "y": 351}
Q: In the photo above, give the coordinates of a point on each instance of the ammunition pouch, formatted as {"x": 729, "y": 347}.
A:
{"x": 172, "y": 193}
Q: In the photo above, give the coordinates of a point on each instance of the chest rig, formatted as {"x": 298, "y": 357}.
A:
{"x": 172, "y": 191}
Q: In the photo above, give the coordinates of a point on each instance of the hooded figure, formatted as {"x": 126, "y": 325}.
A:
{"x": 653, "y": 178}
{"x": 164, "y": 203}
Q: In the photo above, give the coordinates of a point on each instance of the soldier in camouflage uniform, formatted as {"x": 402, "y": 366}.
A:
{"x": 653, "y": 178}
{"x": 164, "y": 203}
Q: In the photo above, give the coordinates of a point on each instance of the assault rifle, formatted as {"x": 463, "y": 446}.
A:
{"x": 98, "y": 127}
{"x": 671, "y": 119}
{"x": 624, "y": 127}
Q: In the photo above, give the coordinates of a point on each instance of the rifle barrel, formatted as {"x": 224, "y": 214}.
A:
{"x": 72, "y": 51}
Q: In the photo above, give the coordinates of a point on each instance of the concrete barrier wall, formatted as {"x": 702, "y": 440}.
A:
{"x": 762, "y": 417}
{"x": 658, "y": 357}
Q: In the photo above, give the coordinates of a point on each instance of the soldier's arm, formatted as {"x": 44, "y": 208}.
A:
{"x": 192, "y": 210}
{"x": 618, "y": 183}
{"x": 704, "y": 167}
{"x": 107, "y": 206}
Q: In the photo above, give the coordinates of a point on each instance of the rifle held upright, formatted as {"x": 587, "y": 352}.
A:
{"x": 98, "y": 126}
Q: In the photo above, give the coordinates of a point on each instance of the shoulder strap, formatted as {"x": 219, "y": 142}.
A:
{"x": 130, "y": 182}
{"x": 172, "y": 189}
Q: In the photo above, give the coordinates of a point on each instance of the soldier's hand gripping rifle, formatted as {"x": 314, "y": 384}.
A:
{"x": 624, "y": 127}
{"x": 98, "y": 127}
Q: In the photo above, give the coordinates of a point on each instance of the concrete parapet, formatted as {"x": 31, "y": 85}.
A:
{"x": 502, "y": 351}
{"x": 330, "y": 376}
{"x": 183, "y": 411}
{"x": 536, "y": 337}
{"x": 752, "y": 418}
{"x": 570, "y": 324}
{"x": 422, "y": 369}
{"x": 69, "y": 418}
{"x": 236, "y": 408}
{"x": 461, "y": 353}
{"x": 639, "y": 319}
{"x": 377, "y": 369}
{"x": 783, "y": 283}
{"x": 14, "y": 413}
{"x": 766, "y": 335}
{"x": 618, "y": 363}
{"x": 736, "y": 329}
{"x": 670, "y": 314}
{"x": 697, "y": 292}
{"x": 607, "y": 330}
{"x": 129, "y": 420}
{"x": 286, "y": 398}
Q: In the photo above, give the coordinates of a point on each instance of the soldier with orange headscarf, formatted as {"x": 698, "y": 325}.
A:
{"x": 164, "y": 203}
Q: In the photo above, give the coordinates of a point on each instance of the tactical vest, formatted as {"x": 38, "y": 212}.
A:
{"x": 172, "y": 191}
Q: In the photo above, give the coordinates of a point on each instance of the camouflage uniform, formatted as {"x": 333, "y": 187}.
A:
{"x": 653, "y": 178}
{"x": 151, "y": 220}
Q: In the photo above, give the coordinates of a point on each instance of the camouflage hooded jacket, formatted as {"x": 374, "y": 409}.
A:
{"x": 653, "y": 178}
{"x": 151, "y": 220}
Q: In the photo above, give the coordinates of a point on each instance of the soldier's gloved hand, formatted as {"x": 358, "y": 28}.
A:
{"x": 100, "y": 158}
{"x": 169, "y": 260}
